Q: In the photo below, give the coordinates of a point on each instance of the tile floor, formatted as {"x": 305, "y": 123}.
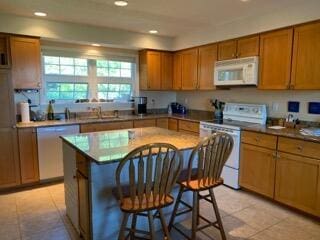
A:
{"x": 40, "y": 214}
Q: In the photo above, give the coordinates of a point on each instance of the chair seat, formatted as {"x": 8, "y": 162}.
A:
{"x": 127, "y": 205}
{"x": 197, "y": 184}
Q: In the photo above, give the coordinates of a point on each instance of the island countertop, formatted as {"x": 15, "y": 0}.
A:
{"x": 112, "y": 146}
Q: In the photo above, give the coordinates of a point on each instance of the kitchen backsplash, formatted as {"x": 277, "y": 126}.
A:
{"x": 277, "y": 101}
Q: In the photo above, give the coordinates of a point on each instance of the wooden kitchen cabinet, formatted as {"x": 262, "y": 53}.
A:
{"x": 173, "y": 124}
{"x": 28, "y": 153}
{"x": 306, "y": 57}
{"x": 206, "y": 62}
{"x": 257, "y": 169}
{"x": 84, "y": 206}
{"x": 5, "y": 59}
{"x": 259, "y": 139}
{"x": 189, "y": 69}
{"x": 239, "y": 48}
{"x": 156, "y": 70}
{"x": 144, "y": 123}
{"x": 97, "y": 127}
{"x": 26, "y": 63}
{"x": 189, "y": 126}
{"x": 275, "y": 59}
{"x": 298, "y": 182}
{"x": 162, "y": 123}
{"x": 177, "y": 71}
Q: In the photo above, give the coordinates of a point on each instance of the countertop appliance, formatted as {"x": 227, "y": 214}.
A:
{"x": 178, "y": 108}
{"x": 140, "y": 105}
{"x": 50, "y": 150}
{"x": 235, "y": 116}
{"x": 240, "y": 71}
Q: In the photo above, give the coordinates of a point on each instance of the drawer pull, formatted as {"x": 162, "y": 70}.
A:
{"x": 300, "y": 148}
{"x": 257, "y": 139}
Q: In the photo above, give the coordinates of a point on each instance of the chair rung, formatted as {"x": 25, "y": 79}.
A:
{"x": 183, "y": 212}
{"x": 186, "y": 204}
{"x": 181, "y": 232}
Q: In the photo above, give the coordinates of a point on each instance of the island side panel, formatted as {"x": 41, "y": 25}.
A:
{"x": 106, "y": 215}
{"x": 70, "y": 185}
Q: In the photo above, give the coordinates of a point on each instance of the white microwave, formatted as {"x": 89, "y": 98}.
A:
{"x": 240, "y": 71}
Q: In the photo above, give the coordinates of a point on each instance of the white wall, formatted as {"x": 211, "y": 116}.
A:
{"x": 201, "y": 100}
{"x": 307, "y": 11}
{"x": 80, "y": 33}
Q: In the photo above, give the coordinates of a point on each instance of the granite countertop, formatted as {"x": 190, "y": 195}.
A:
{"x": 112, "y": 146}
{"x": 285, "y": 132}
{"x": 192, "y": 116}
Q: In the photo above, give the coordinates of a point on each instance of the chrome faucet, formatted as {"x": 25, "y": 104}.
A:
{"x": 98, "y": 110}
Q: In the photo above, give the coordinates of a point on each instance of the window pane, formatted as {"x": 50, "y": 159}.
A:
{"x": 66, "y": 95}
{"x": 102, "y": 87}
{"x": 66, "y": 61}
{"x": 114, "y": 87}
{"x": 126, "y": 65}
{"x": 81, "y": 71}
{"x": 81, "y": 62}
{"x": 67, "y": 70}
{"x": 66, "y": 87}
{"x": 125, "y": 87}
{"x": 81, "y": 87}
{"x": 52, "y": 95}
{"x": 80, "y": 95}
{"x": 126, "y": 73}
{"x": 113, "y": 95}
{"x": 102, "y": 95}
{"x": 102, "y": 63}
{"x": 51, "y": 60}
{"x": 124, "y": 96}
{"x": 114, "y": 72}
{"x": 102, "y": 72}
{"x": 52, "y": 87}
{"x": 51, "y": 69}
{"x": 114, "y": 64}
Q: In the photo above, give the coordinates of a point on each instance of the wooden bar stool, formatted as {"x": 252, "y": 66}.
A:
{"x": 211, "y": 155}
{"x": 152, "y": 171}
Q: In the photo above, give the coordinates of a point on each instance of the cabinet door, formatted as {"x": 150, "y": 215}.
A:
{"x": 248, "y": 47}
{"x": 306, "y": 57}
{"x": 166, "y": 70}
{"x": 227, "y": 50}
{"x": 7, "y": 113}
{"x": 4, "y": 51}
{"x": 25, "y": 54}
{"x": 144, "y": 123}
{"x": 28, "y": 152}
{"x": 154, "y": 70}
{"x": 177, "y": 71}
{"x": 189, "y": 69}
{"x": 9, "y": 159}
{"x": 173, "y": 124}
{"x": 257, "y": 169}
{"x": 84, "y": 207}
{"x": 275, "y": 59}
{"x": 162, "y": 123}
{"x": 298, "y": 182}
{"x": 143, "y": 70}
{"x": 207, "y": 59}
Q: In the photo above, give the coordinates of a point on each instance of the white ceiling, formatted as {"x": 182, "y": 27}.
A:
{"x": 172, "y": 18}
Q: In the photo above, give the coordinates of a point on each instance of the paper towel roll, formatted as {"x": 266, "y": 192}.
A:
{"x": 25, "y": 112}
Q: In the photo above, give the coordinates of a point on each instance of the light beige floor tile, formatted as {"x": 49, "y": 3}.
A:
{"x": 9, "y": 232}
{"x": 52, "y": 234}
{"x": 256, "y": 218}
{"x": 306, "y": 224}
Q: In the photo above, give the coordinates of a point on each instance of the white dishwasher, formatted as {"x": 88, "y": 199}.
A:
{"x": 50, "y": 150}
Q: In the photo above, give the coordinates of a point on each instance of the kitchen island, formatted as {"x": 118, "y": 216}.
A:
{"x": 90, "y": 161}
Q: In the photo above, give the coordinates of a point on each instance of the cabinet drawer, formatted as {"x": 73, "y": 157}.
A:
{"x": 173, "y": 124}
{"x": 189, "y": 126}
{"x": 82, "y": 164}
{"x": 259, "y": 139}
{"x": 299, "y": 147}
{"x": 144, "y": 123}
{"x": 96, "y": 127}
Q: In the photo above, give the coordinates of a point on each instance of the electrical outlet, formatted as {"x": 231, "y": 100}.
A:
{"x": 275, "y": 107}
{"x": 186, "y": 100}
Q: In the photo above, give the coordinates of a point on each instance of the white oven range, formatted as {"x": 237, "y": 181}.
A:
{"x": 235, "y": 116}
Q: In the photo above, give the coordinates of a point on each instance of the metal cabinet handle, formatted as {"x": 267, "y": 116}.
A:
{"x": 300, "y": 148}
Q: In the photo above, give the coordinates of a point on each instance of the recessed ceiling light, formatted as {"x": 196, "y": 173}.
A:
{"x": 121, "y": 3}
{"x": 244, "y": 0}
{"x": 153, "y": 31}
{"x": 40, "y": 14}
{"x": 95, "y": 45}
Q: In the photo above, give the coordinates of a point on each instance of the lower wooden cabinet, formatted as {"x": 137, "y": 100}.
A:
{"x": 144, "y": 123}
{"x": 84, "y": 207}
{"x": 298, "y": 182}
{"x": 28, "y": 153}
{"x": 173, "y": 124}
{"x": 189, "y": 127}
{"x": 162, "y": 123}
{"x": 257, "y": 169}
{"x": 9, "y": 158}
{"x": 97, "y": 127}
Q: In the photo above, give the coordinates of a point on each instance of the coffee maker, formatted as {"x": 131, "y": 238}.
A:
{"x": 140, "y": 105}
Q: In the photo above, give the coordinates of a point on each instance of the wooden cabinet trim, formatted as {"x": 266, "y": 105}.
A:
{"x": 189, "y": 126}
{"x": 259, "y": 139}
{"x": 207, "y": 57}
{"x": 144, "y": 123}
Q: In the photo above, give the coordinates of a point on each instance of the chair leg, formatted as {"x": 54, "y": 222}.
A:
{"x": 123, "y": 226}
{"x": 164, "y": 225}
{"x": 194, "y": 215}
{"x": 151, "y": 226}
{"x": 175, "y": 209}
{"x": 198, "y": 210}
{"x": 216, "y": 210}
{"x": 133, "y": 226}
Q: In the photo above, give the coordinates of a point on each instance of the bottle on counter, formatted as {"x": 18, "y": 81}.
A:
{"x": 50, "y": 115}
{"x": 67, "y": 113}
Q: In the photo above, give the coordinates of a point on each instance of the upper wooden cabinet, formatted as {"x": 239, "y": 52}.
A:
{"x": 177, "y": 71}
{"x": 7, "y": 113}
{"x": 206, "y": 62}
{"x": 28, "y": 153}
{"x": 4, "y": 51}
{"x": 275, "y": 59}
{"x": 242, "y": 47}
{"x": 26, "y": 64}
{"x": 189, "y": 69}
{"x": 156, "y": 70}
{"x": 306, "y": 57}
